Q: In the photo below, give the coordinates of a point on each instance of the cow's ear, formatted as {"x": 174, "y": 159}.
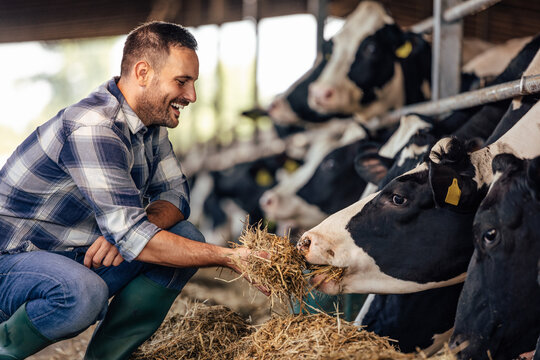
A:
{"x": 533, "y": 177}
{"x": 451, "y": 177}
{"x": 372, "y": 167}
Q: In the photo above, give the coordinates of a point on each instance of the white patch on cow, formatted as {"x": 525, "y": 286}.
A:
{"x": 281, "y": 112}
{"x": 441, "y": 147}
{"x": 282, "y": 203}
{"x": 369, "y": 189}
{"x": 522, "y": 141}
{"x": 493, "y": 61}
{"x": 364, "y": 21}
{"x": 408, "y": 126}
{"x": 391, "y": 96}
{"x": 411, "y": 152}
{"x": 517, "y": 102}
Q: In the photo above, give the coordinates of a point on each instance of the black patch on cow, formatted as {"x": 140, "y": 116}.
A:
{"x": 454, "y": 167}
{"x": 408, "y": 236}
{"x": 430, "y": 312}
{"x": 335, "y": 183}
{"x": 416, "y": 67}
{"x": 239, "y": 183}
{"x": 298, "y": 96}
{"x": 495, "y": 310}
{"x": 373, "y": 66}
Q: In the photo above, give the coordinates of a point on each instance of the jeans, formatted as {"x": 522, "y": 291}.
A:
{"x": 63, "y": 297}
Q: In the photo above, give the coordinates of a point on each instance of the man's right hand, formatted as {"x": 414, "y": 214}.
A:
{"x": 102, "y": 252}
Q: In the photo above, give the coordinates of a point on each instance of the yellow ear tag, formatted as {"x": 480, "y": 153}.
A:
{"x": 453, "y": 194}
{"x": 263, "y": 178}
{"x": 404, "y": 50}
{"x": 290, "y": 165}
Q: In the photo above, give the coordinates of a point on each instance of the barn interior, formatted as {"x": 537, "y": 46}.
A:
{"x": 70, "y": 21}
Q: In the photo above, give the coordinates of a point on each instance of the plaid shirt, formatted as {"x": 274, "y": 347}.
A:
{"x": 85, "y": 173}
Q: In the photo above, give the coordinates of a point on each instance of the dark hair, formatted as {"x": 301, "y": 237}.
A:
{"x": 151, "y": 41}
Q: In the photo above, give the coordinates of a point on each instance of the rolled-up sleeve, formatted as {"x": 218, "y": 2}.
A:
{"x": 169, "y": 182}
{"x": 99, "y": 163}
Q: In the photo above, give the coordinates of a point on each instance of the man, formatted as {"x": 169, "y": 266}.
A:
{"x": 71, "y": 205}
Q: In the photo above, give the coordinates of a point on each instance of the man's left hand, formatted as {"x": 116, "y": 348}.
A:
{"x": 102, "y": 252}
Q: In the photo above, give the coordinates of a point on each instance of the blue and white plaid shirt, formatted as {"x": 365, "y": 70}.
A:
{"x": 86, "y": 173}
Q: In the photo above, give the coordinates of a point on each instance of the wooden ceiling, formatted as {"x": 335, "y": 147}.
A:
{"x": 31, "y": 20}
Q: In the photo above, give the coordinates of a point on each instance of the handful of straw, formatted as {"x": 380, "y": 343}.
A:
{"x": 284, "y": 271}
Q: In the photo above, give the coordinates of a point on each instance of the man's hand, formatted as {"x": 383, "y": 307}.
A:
{"x": 243, "y": 253}
{"x": 102, "y": 252}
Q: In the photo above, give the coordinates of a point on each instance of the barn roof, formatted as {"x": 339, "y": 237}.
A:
{"x": 30, "y": 20}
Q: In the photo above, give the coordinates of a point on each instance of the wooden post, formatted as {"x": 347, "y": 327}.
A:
{"x": 446, "y": 59}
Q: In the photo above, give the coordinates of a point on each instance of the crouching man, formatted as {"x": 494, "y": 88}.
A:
{"x": 74, "y": 230}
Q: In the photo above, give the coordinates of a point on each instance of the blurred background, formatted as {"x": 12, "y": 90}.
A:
{"x": 54, "y": 53}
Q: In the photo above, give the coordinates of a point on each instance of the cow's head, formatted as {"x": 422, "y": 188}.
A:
{"x": 326, "y": 183}
{"x": 364, "y": 74}
{"x": 414, "y": 234}
{"x": 292, "y": 106}
{"x": 498, "y": 309}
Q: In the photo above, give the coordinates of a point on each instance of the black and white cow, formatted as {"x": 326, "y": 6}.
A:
{"x": 416, "y": 233}
{"x": 375, "y": 66}
{"x": 498, "y": 309}
{"x": 235, "y": 192}
{"x": 309, "y": 195}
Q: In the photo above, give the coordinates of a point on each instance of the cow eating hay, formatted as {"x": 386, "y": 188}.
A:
{"x": 282, "y": 269}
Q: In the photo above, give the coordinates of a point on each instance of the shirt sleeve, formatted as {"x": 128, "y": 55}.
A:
{"x": 169, "y": 182}
{"x": 99, "y": 163}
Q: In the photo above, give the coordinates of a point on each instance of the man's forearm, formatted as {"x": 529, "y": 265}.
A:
{"x": 163, "y": 214}
{"x": 169, "y": 249}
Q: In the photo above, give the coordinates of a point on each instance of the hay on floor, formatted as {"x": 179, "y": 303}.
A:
{"x": 203, "y": 333}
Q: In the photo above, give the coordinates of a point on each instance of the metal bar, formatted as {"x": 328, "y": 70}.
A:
{"x": 446, "y": 52}
{"x": 469, "y": 7}
{"x": 524, "y": 86}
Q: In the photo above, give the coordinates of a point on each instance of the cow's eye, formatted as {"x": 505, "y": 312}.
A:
{"x": 489, "y": 236}
{"x": 398, "y": 199}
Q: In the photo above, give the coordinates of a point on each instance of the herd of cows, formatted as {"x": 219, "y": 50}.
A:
{"x": 436, "y": 218}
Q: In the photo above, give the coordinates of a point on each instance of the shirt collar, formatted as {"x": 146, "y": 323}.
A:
{"x": 134, "y": 123}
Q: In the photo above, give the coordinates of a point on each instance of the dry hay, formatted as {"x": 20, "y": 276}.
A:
{"x": 204, "y": 332}
{"x": 321, "y": 337}
{"x": 284, "y": 271}
{"x": 317, "y": 336}
{"x": 215, "y": 332}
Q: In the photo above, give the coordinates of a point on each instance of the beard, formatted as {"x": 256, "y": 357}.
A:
{"x": 153, "y": 108}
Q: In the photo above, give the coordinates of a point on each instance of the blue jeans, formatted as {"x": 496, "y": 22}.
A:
{"x": 63, "y": 297}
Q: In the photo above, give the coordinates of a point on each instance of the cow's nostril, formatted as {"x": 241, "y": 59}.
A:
{"x": 330, "y": 252}
{"x": 303, "y": 244}
{"x": 328, "y": 94}
{"x": 267, "y": 200}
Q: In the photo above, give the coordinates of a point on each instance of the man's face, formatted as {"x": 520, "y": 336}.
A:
{"x": 170, "y": 89}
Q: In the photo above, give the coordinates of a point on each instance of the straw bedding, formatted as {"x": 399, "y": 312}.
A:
{"x": 216, "y": 332}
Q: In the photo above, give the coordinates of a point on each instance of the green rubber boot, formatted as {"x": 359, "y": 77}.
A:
{"x": 134, "y": 314}
{"x": 19, "y": 338}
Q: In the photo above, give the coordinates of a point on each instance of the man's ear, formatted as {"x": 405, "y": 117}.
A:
{"x": 143, "y": 73}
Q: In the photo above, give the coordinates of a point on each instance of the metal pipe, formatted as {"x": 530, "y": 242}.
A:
{"x": 469, "y": 7}
{"x": 524, "y": 86}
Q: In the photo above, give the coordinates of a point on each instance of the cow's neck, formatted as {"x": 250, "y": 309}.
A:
{"x": 416, "y": 71}
{"x": 522, "y": 140}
